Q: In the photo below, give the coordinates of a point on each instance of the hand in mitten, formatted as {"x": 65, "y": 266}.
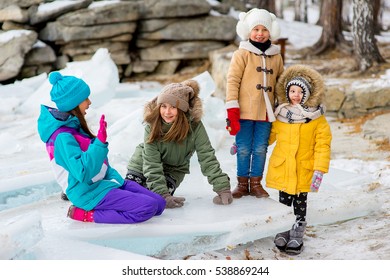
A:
{"x": 102, "y": 133}
{"x": 233, "y": 120}
{"x": 233, "y": 149}
{"x": 316, "y": 181}
{"x": 223, "y": 198}
{"x": 173, "y": 201}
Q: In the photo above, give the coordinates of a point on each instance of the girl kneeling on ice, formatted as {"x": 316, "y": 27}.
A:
{"x": 173, "y": 133}
{"x": 98, "y": 192}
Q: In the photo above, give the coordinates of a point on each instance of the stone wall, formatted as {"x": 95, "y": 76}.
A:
{"x": 144, "y": 37}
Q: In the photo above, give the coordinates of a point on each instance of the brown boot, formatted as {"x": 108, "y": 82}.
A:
{"x": 242, "y": 188}
{"x": 256, "y": 188}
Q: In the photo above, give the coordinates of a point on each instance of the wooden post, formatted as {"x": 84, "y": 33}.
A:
{"x": 282, "y": 43}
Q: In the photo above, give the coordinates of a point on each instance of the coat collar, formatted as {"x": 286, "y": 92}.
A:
{"x": 272, "y": 50}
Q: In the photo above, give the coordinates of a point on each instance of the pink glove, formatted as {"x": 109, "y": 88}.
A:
{"x": 233, "y": 120}
{"x": 316, "y": 181}
{"x": 233, "y": 149}
{"x": 102, "y": 133}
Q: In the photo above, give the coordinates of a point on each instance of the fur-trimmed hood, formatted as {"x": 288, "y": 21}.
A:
{"x": 195, "y": 111}
{"x": 312, "y": 76}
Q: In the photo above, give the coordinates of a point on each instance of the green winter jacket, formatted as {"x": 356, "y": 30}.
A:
{"x": 153, "y": 160}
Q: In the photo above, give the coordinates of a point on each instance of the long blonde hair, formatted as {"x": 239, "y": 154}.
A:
{"x": 178, "y": 131}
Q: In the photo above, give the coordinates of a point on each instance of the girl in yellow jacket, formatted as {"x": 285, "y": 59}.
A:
{"x": 302, "y": 152}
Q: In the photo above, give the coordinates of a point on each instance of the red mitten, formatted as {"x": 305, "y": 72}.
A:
{"x": 102, "y": 133}
{"x": 233, "y": 120}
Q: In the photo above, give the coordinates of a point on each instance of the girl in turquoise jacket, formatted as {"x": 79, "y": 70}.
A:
{"x": 173, "y": 132}
{"x": 80, "y": 164}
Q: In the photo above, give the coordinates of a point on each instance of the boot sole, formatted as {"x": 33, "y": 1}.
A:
{"x": 294, "y": 251}
{"x": 240, "y": 196}
{"x": 259, "y": 196}
{"x": 281, "y": 248}
{"x": 70, "y": 212}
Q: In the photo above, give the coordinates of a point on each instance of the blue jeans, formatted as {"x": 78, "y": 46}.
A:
{"x": 252, "y": 146}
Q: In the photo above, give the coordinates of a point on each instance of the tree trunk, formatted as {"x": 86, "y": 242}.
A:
{"x": 321, "y": 19}
{"x": 305, "y": 18}
{"x": 377, "y": 18}
{"x": 268, "y": 5}
{"x": 279, "y": 7}
{"x": 297, "y": 11}
{"x": 365, "y": 49}
{"x": 331, "y": 23}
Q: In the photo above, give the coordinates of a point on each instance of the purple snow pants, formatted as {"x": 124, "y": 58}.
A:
{"x": 128, "y": 204}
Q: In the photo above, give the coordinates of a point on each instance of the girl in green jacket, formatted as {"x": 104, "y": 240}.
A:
{"x": 173, "y": 132}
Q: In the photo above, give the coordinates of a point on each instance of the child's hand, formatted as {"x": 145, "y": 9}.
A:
{"x": 223, "y": 198}
{"x": 173, "y": 201}
{"x": 233, "y": 149}
{"x": 102, "y": 133}
{"x": 233, "y": 120}
{"x": 316, "y": 181}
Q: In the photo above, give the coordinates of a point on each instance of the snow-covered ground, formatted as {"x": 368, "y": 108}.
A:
{"x": 348, "y": 219}
{"x": 360, "y": 238}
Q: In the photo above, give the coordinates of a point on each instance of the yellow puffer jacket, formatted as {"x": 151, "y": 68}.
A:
{"x": 300, "y": 149}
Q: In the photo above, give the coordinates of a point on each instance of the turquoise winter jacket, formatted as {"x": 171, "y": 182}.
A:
{"x": 85, "y": 176}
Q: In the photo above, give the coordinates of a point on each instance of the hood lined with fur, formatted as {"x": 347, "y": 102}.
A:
{"x": 317, "y": 92}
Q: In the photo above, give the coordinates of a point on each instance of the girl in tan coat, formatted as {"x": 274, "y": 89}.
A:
{"x": 253, "y": 72}
{"x": 302, "y": 152}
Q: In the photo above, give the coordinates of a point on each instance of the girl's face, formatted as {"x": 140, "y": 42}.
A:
{"x": 295, "y": 94}
{"x": 83, "y": 106}
{"x": 259, "y": 34}
{"x": 168, "y": 112}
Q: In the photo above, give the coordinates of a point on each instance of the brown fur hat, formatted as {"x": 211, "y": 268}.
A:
{"x": 315, "y": 80}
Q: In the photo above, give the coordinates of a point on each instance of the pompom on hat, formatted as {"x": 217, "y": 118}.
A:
{"x": 67, "y": 91}
{"x": 247, "y": 21}
{"x": 177, "y": 95}
{"x": 303, "y": 84}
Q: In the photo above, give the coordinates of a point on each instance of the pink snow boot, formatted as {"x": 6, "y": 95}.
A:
{"x": 79, "y": 214}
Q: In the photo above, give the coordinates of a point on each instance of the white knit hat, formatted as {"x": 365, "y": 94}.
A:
{"x": 247, "y": 21}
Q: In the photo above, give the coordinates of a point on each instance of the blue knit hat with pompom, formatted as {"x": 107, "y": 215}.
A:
{"x": 67, "y": 91}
